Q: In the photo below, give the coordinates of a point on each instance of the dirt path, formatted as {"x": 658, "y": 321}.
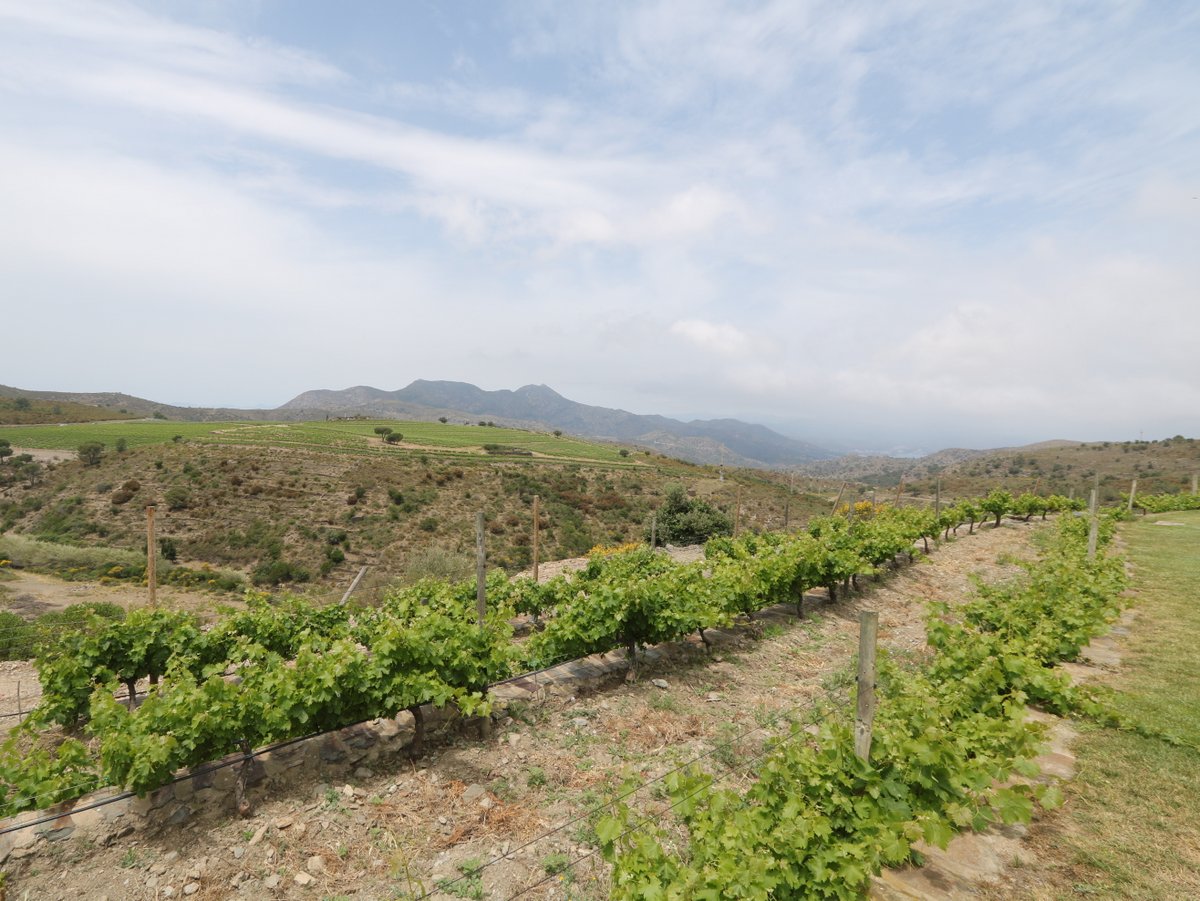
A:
{"x": 409, "y": 827}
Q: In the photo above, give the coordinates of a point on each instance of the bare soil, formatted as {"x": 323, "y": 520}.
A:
{"x": 400, "y": 832}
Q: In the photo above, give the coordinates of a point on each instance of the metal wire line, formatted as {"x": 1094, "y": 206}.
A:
{"x": 638, "y": 825}
{"x": 628, "y": 793}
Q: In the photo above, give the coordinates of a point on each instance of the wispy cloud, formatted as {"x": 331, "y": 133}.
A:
{"x": 947, "y": 219}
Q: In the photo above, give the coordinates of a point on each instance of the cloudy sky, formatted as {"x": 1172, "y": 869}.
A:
{"x": 889, "y": 224}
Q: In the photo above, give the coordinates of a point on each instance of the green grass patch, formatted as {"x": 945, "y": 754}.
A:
{"x": 356, "y": 436}
{"x": 1131, "y": 827}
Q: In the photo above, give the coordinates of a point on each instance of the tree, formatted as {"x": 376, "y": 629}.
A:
{"x": 22, "y": 404}
{"x": 624, "y": 452}
{"x": 443, "y": 420}
{"x": 685, "y": 520}
{"x": 393, "y": 437}
{"x": 383, "y": 431}
{"x": 5, "y": 448}
{"x": 90, "y": 453}
{"x": 122, "y": 445}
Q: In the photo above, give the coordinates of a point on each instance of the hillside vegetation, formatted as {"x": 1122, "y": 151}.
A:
{"x": 27, "y": 411}
{"x": 312, "y": 502}
{"x": 1054, "y": 467}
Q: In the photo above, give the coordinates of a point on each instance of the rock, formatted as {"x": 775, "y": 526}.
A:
{"x": 168, "y": 891}
{"x": 713, "y": 697}
{"x": 659, "y": 683}
{"x": 191, "y": 888}
{"x": 258, "y": 835}
{"x": 272, "y": 881}
{"x": 238, "y": 852}
{"x": 315, "y": 864}
{"x": 299, "y": 830}
{"x": 303, "y": 879}
{"x": 474, "y": 792}
{"x": 486, "y": 803}
{"x": 283, "y": 822}
{"x": 514, "y": 738}
{"x": 348, "y": 791}
{"x": 363, "y": 773}
{"x": 580, "y": 722}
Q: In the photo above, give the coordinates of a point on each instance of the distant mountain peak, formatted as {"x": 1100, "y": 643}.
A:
{"x": 540, "y": 406}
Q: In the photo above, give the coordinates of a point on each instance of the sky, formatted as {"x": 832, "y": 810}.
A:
{"x": 872, "y": 225}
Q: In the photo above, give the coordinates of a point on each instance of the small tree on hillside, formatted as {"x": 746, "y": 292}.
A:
{"x": 687, "y": 520}
{"x": 5, "y": 449}
{"x": 90, "y": 453}
{"x": 393, "y": 437}
{"x": 383, "y": 431}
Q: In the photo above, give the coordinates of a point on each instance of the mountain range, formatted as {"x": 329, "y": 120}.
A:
{"x": 538, "y": 407}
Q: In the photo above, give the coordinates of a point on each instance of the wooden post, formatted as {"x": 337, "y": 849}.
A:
{"x": 1132, "y": 495}
{"x": 787, "y": 504}
{"x": 837, "y": 503}
{"x": 737, "y": 512}
{"x": 480, "y": 571}
{"x": 1071, "y": 495}
{"x": 536, "y": 514}
{"x": 151, "y": 549}
{"x": 899, "y": 488}
{"x": 864, "y": 720}
{"x": 653, "y": 531}
{"x": 485, "y": 723}
{"x": 937, "y": 499}
{"x": 1093, "y": 525}
{"x": 362, "y": 571}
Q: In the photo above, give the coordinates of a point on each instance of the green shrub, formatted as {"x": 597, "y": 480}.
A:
{"x": 276, "y": 572}
{"x": 685, "y": 520}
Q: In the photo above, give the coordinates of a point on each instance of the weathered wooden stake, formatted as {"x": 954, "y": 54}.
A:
{"x": 937, "y": 499}
{"x": 837, "y": 503}
{"x": 151, "y": 575}
{"x": 864, "y": 720}
{"x": 1132, "y": 495}
{"x": 653, "y": 531}
{"x": 737, "y": 512}
{"x": 485, "y": 723}
{"x": 536, "y": 504}
{"x": 1093, "y": 525}
{"x": 480, "y": 571}
{"x": 899, "y": 488}
{"x": 787, "y": 504}
{"x": 362, "y": 571}
{"x": 1071, "y": 495}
